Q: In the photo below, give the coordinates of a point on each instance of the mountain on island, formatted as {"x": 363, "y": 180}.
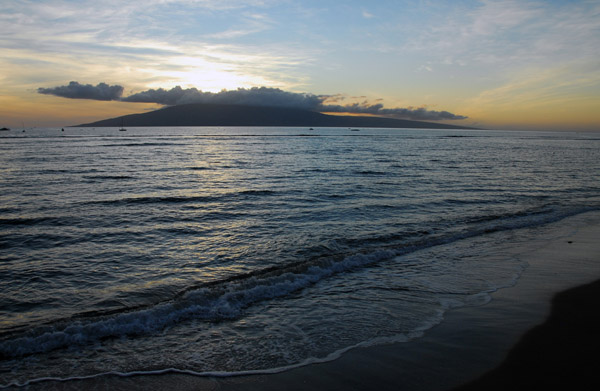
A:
{"x": 199, "y": 114}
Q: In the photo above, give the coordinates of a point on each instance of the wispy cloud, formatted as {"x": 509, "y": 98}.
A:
{"x": 510, "y": 32}
{"x": 367, "y": 15}
{"x": 554, "y": 87}
{"x": 250, "y": 23}
{"x": 135, "y": 40}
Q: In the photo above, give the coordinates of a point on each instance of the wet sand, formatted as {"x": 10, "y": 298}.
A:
{"x": 470, "y": 342}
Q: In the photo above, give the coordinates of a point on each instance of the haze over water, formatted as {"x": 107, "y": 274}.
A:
{"x": 249, "y": 249}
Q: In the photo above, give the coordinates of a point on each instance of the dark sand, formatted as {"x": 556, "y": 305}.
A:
{"x": 563, "y": 352}
{"x": 470, "y": 342}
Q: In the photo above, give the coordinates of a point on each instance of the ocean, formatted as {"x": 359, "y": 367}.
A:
{"x": 225, "y": 251}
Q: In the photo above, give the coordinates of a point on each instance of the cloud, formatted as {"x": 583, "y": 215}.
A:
{"x": 367, "y": 15}
{"x": 256, "y": 96}
{"x": 511, "y": 33}
{"x": 85, "y": 91}
{"x": 419, "y": 113}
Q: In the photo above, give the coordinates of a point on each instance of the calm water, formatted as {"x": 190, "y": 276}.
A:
{"x": 252, "y": 249}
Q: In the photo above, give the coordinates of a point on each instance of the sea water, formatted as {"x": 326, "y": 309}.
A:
{"x": 251, "y": 250}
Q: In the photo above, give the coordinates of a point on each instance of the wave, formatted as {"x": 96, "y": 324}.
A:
{"x": 400, "y": 338}
{"x": 371, "y": 173}
{"x": 31, "y": 221}
{"x": 184, "y": 199}
{"x": 108, "y": 177}
{"x": 216, "y": 303}
{"x": 226, "y": 300}
{"x": 526, "y": 218}
{"x": 258, "y": 192}
{"x": 146, "y": 144}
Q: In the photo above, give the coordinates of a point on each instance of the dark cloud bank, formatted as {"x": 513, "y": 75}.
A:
{"x": 85, "y": 91}
{"x": 257, "y": 96}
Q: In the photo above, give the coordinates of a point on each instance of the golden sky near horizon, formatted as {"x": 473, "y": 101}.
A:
{"x": 501, "y": 64}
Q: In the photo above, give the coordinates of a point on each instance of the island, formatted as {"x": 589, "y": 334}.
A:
{"x": 199, "y": 114}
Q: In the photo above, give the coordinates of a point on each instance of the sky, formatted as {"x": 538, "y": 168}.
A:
{"x": 498, "y": 64}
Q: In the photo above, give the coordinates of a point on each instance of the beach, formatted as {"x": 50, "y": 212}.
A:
{"x": 469, "y": 343}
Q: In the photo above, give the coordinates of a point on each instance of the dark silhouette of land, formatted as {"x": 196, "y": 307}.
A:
{"x": 234, "y": 115}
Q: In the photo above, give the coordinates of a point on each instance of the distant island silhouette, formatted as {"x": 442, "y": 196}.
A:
{"x": 200, "y": 114}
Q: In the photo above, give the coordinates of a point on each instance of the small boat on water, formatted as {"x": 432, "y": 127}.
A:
{"x": 122, "y": 129}
{"x": 4, "y": 129}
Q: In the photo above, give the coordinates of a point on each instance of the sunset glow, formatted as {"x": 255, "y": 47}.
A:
{"x": 502, "y": 64}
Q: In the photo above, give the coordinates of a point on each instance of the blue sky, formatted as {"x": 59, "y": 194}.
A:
{"x": 502, "y": 64}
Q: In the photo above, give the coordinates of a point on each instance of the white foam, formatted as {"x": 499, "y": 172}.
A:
{"x": 203, "y": 304}
{"x": 401, "y": 338}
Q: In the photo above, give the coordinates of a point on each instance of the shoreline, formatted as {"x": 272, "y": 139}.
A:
{"x": 470, "y": 342}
